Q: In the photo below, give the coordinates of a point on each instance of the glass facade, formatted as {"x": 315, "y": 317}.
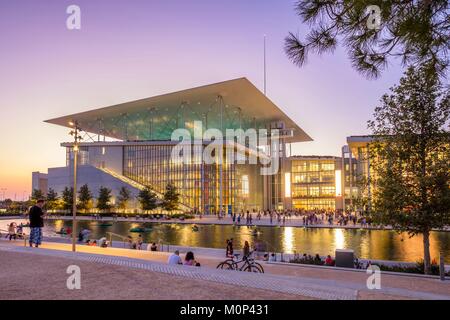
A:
{"x": 203, "y": 187}
{"x": 313, "y": 183}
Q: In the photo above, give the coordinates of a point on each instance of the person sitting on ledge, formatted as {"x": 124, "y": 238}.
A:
{"x": 317, "y": 259}
{"x": 175, "y": 258}
{"x": 189, "y": 260}
{"x": 329, "y": 261}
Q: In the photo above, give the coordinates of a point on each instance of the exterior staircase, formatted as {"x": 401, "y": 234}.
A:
{"x": 139, "y": 186}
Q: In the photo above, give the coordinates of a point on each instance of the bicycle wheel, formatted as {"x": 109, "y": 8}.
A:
{"x": 260, "y": 267}
{"x": 252, "y": 268}
{"x": 225, "y": 266}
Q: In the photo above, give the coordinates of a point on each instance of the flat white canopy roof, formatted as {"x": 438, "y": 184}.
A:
{"x": 243, "y": 105}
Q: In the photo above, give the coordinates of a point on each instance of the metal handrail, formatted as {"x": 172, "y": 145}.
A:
{"x": 111, "y": 234}
{"x": 25, "y": 236}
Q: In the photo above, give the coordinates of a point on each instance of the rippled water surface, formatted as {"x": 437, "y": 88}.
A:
{"x": 371, "y": 244}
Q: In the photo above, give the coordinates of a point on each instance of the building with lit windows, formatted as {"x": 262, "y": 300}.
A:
{"x": 316, "y": 182}
{"x": 130, "y": 145}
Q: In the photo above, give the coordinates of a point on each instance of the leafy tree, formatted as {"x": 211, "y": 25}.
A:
{"x": 417, "y": 32}
{"x": 123, "y": 198}
{"x": 67, "y": 198}
{"x": 104, "y": 199}
{"x": 361, "y": 200}
{"x": 36, "y": 195}
{"x": 84, "y": 198}
{"x": 411, "y": 155}
{"x": 147, "y": 198}
{"x": 171, "y": 198}
{"x": 52, "y": 199}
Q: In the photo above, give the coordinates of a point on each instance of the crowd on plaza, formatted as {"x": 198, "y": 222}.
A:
{"x": 278, "y": 217}
{"x": 307, "y": 217}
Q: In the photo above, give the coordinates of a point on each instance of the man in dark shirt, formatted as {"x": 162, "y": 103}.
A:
{"x": 36, "y": 215}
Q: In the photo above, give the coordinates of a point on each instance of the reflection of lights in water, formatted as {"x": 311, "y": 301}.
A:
{"x": 365, "y": 244}
{"x": 339, "y": 240}
{"x": 288, "y": 240}
{"x": 245, "y": 235}
{"x": 186, "y": 235}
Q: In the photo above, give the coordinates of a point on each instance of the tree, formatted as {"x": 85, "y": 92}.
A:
{"x": 104, "y": 199}
{"x": 171, "y": 198}
{"x": 84, "y": 198}
{"x": 36, "y": 195}
{"x": 124, "y": 198}
{"x": 67, "y": 198}
{"x": 361, "y": 200}
{"x": 147, "y": 198}
{"x": 411, "y": 155}
{"x": 52, "y": 199}
{"x": 418, "y": 32}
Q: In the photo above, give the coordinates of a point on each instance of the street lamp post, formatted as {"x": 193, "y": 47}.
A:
{"x": 3, "y": 191}
{"x": 75, "y": 133}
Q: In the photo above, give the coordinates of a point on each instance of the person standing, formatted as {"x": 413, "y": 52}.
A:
{"x": 229, "y": 249}
{"x": 140, "y": 242}
{"x": 36, "y": 216}
{"x": 246, "y": 249}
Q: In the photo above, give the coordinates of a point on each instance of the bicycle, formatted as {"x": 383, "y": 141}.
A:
{"x": 246, "y": 264}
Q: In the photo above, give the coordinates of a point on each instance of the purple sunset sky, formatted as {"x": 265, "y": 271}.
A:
{"x": 131, "y": 49}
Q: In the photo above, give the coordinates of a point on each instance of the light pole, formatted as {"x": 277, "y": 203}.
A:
{"x": 3, "y": 193}
{"x": 75, "y": 133}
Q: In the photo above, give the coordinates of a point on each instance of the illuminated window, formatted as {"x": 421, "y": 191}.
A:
{"x": 327, "y": 166}
{"x": 103, "y": 150}
{"x": 338, "y": 183}
{"x": 314, "y": 166}
{"x": 328, "y": 191}
{"x": 299, "y": 178}
{"x": 287, "y": 184}
{"x": 314, "y": 191}
{"x": 245, "y": 186}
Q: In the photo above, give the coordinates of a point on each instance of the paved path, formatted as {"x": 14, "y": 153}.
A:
{"x": 299, "y": 281}
{"x": 274, "y": 283}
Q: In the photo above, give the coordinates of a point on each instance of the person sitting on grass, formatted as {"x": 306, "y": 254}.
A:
{"x": 189, "y": 260}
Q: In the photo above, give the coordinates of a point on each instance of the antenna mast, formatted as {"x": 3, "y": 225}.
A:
{"x": 265, "y": 67}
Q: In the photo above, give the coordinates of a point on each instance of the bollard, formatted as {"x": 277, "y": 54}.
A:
{"x": 442, "y": 266}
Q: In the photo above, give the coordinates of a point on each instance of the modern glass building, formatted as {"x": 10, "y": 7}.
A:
{"x": 131, "y": 144}
{"x": 316, "y": 182}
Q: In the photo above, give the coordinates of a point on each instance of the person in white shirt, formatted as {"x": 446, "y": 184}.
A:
{"x": 175, "y": 258}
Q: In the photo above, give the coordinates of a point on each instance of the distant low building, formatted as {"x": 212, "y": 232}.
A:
{"x": 40, "y": 182}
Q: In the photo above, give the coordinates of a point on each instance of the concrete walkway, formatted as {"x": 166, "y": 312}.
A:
{"x": 300, "y": 281}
